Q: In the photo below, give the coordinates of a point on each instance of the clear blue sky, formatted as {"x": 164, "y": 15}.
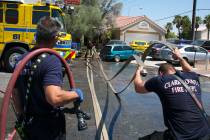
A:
{"x": 158, "y": 9}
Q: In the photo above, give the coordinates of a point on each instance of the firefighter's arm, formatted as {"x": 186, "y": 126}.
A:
{"x": 185, "y": 65}
{"x": 138, "y": 82}
{"x": 56, "y": 96}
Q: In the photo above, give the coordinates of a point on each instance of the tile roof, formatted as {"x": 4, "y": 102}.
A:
{"x": 123, "y": 21}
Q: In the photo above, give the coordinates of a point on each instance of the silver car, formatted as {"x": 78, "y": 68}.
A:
{"x": 189, "y": 53}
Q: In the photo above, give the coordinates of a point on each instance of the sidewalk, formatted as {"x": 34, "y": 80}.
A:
{"x": 202, "y": 68}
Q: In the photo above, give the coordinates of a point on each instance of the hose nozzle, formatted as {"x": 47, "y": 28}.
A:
{"x": 143, "y": 72}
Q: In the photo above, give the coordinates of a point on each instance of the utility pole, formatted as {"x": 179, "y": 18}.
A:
{"x": 193, "y": 19}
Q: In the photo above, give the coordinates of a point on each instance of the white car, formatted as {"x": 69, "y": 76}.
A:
{"x": 189, "y": 53}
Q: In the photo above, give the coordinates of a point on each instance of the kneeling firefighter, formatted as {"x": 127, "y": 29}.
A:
{"x": 40, "y": 96}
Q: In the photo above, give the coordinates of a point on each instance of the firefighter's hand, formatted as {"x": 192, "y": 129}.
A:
{"x": 176, "y": 54}
{"x": 80, "y": 94}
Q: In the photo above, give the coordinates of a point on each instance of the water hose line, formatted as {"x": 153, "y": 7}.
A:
{"x": 12, "y": 81}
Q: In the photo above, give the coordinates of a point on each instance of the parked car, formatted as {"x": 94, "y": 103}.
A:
{"x": 156, "y": 49}
{"x": 189, "y": 53}
{"x": 139, "y": 45}
{"x": 116, "y": 52}
{"x": 180, "y": 41}
{"x": 202, "y": 43}
{"x": 116, "y": 42}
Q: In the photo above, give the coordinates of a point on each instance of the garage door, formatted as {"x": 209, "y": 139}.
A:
{"x": 140, "y": 36}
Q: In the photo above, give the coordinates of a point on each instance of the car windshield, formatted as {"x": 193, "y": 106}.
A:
{"x": 140, "y": 43}
{"x": 116, "y": 42}
{"x": 158, "y": 45}
{"x": 197, "y": 42}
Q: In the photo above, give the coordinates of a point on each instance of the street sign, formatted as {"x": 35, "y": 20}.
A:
{"x": 74, "y": 2}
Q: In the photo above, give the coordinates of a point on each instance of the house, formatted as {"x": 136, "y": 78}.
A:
{"x": 137, "y": 28}
{"x": 202, "y": 33}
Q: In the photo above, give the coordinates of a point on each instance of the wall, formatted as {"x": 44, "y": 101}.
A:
{"x": 140, "y": 31}
{"x": 202, "y": 35}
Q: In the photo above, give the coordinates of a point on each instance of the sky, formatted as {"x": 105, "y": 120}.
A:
{"x": 159, "y": 9}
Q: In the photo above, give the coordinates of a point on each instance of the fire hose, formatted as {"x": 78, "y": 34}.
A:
{"x": 12, "y": 82}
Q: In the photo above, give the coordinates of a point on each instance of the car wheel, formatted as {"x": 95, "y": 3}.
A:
{"x": 117, "y": 58}
{"x": 11, "y": 56}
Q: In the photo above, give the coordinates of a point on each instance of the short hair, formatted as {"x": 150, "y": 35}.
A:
{"x": 164, "y": 68}
{"x": 47, "y": 29}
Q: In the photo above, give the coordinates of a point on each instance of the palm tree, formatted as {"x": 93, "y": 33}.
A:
{"x": 169, "y": 27}
{"x": 186, "y": 27}
{"x": 198, "y": 21}
{"x": 207, "y": 22}
{"x": 178, "y": 22}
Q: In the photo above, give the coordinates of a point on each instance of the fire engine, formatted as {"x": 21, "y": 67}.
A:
{"x": 18, "y": 21}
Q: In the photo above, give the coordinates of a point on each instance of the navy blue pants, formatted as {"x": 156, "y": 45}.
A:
{"x": 47, "y": 128}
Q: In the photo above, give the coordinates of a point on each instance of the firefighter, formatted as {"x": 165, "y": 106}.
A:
{"x": 40, "y": 89}
{"x": 89, "y": 51}
{"x": 181, "y": 115}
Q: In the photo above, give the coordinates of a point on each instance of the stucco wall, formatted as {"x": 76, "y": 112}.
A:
{"x": 202, "y": 35}
{"x": 138, "y": 32}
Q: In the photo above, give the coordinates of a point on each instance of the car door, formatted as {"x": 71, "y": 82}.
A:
{"x": 165, "y": 53}
{"x": 128, "y": 51}
{"x": 201, "y": 53}
{"x": 206, "y": 45}
{"x": 192, "y": 52}
{"x": 118, "y": 50}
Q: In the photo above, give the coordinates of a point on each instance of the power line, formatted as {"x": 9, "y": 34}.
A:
{"x": 174, "y": 15}
{"x": 190, "y": 11}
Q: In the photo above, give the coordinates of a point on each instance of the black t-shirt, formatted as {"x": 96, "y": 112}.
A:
{"x": 181, "y": 114}
{"x": 48, "y": 72}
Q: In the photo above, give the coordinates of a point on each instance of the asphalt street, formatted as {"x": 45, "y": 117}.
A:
{"x": 136, "y": 116}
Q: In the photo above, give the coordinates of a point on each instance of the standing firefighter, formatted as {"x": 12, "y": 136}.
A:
{"x": 89, "y": 51}
{"x": 39, "y": 87}
{"x": 181, "y": 115}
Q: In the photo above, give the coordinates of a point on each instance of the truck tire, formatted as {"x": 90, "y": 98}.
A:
{"x": 10, "y": 57}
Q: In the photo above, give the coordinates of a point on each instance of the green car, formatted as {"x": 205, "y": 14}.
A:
{"x": 117, "y": 52}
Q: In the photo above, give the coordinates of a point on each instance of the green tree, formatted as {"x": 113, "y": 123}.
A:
{"x": 198, "y": 21}
{"x": 168, "y": 28}
{"x": 171, "y": 35}
{"x": 183, "y": 24}
{"x": 92, "y": 18}
{"x": 207, "y": 23}
{"x": 186, "y": 27}
{"x": 178, "y": 22}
